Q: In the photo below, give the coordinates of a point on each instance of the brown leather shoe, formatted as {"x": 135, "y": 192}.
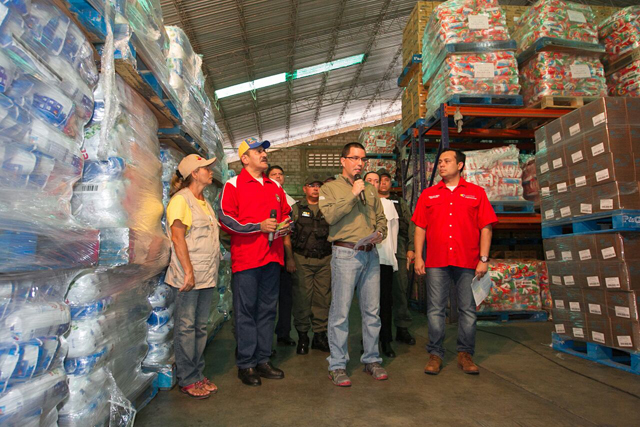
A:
{"x": 466, "y": 364}
{"x": 434, "y": 365}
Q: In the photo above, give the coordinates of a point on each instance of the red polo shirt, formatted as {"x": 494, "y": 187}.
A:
{"x": 244, "y": 204}
{"x": 453, "y": 220}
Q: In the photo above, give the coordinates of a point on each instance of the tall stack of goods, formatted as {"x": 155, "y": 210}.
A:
{"x": 121, "y": 195}
{"x": 577, "y": 70}
{"x": 497, "y": 171}
{"x": 469, "y": 51}
{"x": 46, "y": 97}
{"x": 587, "y": 167}
{"x": 620, "y": 34}
{"x": 380, "y": 142}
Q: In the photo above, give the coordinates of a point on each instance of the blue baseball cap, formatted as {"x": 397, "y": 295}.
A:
{"x": 250, "y": 143}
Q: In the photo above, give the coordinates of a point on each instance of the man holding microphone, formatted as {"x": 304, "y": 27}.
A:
{"x": 354, "y": 212}
{"x": 456, "y": 219}
{"x": 254, "y": 211}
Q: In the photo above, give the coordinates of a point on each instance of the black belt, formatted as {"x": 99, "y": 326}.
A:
{"x": 365, "y": 248}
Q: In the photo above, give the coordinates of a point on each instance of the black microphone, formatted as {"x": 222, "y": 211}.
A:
{"x": 274, "y": 215}
{"x": 362, "y": 199}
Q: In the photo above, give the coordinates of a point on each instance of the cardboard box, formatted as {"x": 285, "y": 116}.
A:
{"x": 575, "y": 300}
{"x": 556, "y": 158}
{"x": 604, "y": 111}
{"x": 559, "y": 297}
{"x": 580, "y": 176}
{"x": 607, "y": 139}
{"x": 582, "y": 201}
{"x": 618, "y": 246}
{"x": 579, "y": 328}
{"x": 541, "y": 139}
{"x": 612, "y": 167}
{"x": 571, "y": 125}
{"x": 554, "y": 133}
{"x": 412, "y": 34}
{"x": 625, "y": 334}
{"x": 555, "y": 270}
{"x": 550, "y": 248}
{"x": 623, "y": 305}
{"x": 600, "y": 330}
{"x": 620, "y": 275}
{"x": 585, "y": 246}
{"x": 632, "y": 106}
{"x": 634, "y": 137}
{"x": 595, "y": 302}
{"x": 542, "y": 166}
{"x": 575, "y": 151}
{"x": 587, "y": 275}
{"x": 565, "y": 204}
{"x": 615, "y": 195}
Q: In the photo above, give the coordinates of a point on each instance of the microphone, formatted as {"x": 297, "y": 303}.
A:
{"x": 361, "y": 195}
{"x": 274, "y": 215}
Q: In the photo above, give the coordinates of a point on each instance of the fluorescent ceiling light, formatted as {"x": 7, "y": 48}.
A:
{"x": 284, "y": 77}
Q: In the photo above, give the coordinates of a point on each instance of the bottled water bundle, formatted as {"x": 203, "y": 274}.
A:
{"x": 160, "y": 326}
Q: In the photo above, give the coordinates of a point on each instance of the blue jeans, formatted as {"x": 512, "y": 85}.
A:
{"x": 354, "y": 270}
{"x": 438, "y": 285}
{"x": 190, "y": 335}
{"x": 255, "y": 297}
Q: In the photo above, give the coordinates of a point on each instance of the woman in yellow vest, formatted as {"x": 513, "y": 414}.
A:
{"x": 195, "y": 254}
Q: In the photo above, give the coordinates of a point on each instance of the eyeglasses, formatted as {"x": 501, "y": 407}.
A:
{"x": 314, "y": 185}
{"x": 357, "y": 159}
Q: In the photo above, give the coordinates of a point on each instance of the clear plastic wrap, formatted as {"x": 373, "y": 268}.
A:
{"x": 378, "y": 140}
{"x": 160, "y": 326}
{"x": 516, "y": 286}
{"x": 556, "y": 19}
{"x": 561, "y": 74}
{"x": 620, "y": 32}
{"x": 462, "y": 21}
{"x": 497, "y": 171}
{"x": 489, "y": 73}
{"x": 626, "y": 81}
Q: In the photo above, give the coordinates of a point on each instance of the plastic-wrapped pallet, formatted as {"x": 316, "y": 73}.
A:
{"x": 497, "y": 170}
{"x": 626, "y": 81}
{"x": 170, "y": 158}
{"x": 556, "y": 19}
{"x": 160, "y": 325}
{"x": 620, "y": 33}
{"x": 488, "y": 73}
{"x": 46, "y": 79}
{"x": 378, "y": 140}
{"x": 561, "y": 74}
{"x": 462, "y": 21}
{"x": 516, "y": 286}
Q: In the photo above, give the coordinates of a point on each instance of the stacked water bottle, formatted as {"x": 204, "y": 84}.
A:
{"x": 46, "y": 79}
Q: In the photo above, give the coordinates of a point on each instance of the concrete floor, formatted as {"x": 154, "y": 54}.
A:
{"x": 522, "y": 382}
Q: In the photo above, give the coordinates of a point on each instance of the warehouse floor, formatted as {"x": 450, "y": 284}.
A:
{"x": 522, "y": 382}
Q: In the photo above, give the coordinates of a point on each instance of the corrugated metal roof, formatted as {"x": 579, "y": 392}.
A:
{"x": 242, "y": 40}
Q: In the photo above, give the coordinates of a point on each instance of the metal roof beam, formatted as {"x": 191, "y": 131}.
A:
{"x": 335, "y": 32}
{"x": 293, "y": 18}
{"x": 249, "y": 63}
{"x": 387, "y": 75}
{"x": 185, "y": 24}
{"x": 372, "y": 39}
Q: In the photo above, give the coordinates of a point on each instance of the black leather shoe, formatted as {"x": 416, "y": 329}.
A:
{"x": 266, "y": 370}
{"x": 303, "y": 343}
{"x": 403, "y": 336}
{"x": 320, "y": 342}
{"x": 387, "y": 350}
{"x": 286, "y": 341}
{"x": 250, "y": 377}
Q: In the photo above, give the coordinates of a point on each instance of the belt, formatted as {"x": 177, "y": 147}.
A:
{"x": 365, "y": 248}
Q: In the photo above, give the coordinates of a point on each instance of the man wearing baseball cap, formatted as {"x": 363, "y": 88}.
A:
{"x": 254, "y": 211}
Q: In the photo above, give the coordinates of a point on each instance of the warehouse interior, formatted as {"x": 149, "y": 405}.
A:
{"x": 101, "y": 100}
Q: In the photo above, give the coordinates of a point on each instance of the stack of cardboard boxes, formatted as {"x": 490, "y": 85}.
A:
{"x": 586, "y": 165}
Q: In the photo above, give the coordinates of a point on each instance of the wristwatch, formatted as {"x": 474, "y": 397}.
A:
{"x": 484, "y": 259}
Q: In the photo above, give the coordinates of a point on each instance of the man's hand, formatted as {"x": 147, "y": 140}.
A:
{"x": 290, "y": 265}
{"x": 189, "y": 282}
{"x": 286, "y": 225}
{"x": 419, "y": 266}
{"x": 358, "y": 187}
{"x": 268, "y": 225}
{"x": 410, "y": 257}
{"x": 481, "y": 269}
{"x": 378, "y": 238}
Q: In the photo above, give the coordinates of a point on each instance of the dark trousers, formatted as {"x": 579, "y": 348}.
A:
{"x": 386, "y": 302}
{"x": 255, "y": 295}
{"x": 285, "y": 304}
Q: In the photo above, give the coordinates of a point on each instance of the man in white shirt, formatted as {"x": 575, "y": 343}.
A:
{"x": 388, "y": 264}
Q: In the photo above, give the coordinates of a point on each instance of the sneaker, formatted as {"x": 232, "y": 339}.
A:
{"x": 340, "y": 378}
{"x": 376, "y": 371}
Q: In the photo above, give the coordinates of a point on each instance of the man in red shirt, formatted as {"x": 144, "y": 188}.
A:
{"x": 246, "y": 205}
{"x": 456, "y": 218}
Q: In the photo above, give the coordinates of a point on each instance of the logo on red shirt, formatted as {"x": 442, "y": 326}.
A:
{"x": 278, "y": 198}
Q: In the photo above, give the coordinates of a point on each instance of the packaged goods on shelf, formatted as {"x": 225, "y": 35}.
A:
{"x": 412, "y": 34}
{"x": 488, "y": 73}
{"x": 620, "y": 33}
{"x": 497, "y": 170}
{"x": 626, "y": 81}
{"x": 390, "y": 165}
{"x": 561, "y": 74}
{"x": 556, "y": 19}
{"x": 530, "y": 185}
{"x": 414, "y": 99}
{"x": 462, "y": 21}
{"x": 378, "y": 140}
{"x": 160, "y": 325}
{"x": 516, "y": 286}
